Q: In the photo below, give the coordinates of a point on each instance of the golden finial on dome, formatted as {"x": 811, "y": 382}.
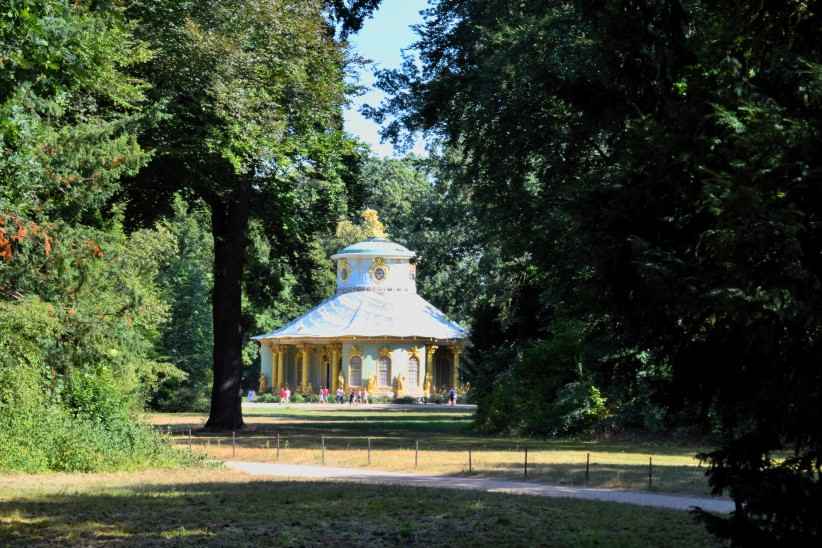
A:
{"x": 373, "y": 226}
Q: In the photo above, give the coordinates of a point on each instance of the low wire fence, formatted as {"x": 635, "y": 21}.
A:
{"x": 524, "y": 461}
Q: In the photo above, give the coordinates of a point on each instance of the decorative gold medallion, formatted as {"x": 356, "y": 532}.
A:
{"x": 379, "y": 270}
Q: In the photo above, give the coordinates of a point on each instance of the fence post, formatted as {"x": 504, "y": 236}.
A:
{"x": 278, "y": 446}
{"x": 322, "y": 442}
{"x": 587, "y": 467}
{"x": 525, "y": 468}
{"x": 190, "y": 449}
{"x": 416, "y": 452}
{"x": 650, "y": 472}
{"x": 369, "y": 451}
{"x": 233, "y": 443}
{"x": 470, "y": 465}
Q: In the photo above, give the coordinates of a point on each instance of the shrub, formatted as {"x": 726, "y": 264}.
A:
{"x": 405, "y": 400}
{"x": 297, "y": 398}
{"x": 437, "y": 398}
{"x": 267, "y": 398}
{"x": 546, "y": 391}
{"x": 79, "y": 422}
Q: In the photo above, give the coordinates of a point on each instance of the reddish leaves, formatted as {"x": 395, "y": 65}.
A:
{"x": 22, "y": 231}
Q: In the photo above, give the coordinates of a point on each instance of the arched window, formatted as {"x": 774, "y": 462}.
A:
{"x": 414, "y": 371}
{"x": 355, "y": 371}
{"x": 384, "y": 371}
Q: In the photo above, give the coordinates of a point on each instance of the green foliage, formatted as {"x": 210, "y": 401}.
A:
{"x": 83, "y": 421}
{"x": 267, "y": 398}
{"x": 68, "y": 107}
{"x": 185, "y": 282}
{"x": 251, "y": 95}
{"x": 546, "y": 390}
{"x": 648, "y": 168}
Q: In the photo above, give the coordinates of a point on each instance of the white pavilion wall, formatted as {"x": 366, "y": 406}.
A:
{"x": 399, "y": 354}
{"x": 398, "y": 276}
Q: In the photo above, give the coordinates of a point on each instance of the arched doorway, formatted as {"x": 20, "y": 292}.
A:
{"x": 442, "y": 369}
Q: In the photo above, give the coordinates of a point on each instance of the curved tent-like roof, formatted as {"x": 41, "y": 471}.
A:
{"x": 369, "y": 314}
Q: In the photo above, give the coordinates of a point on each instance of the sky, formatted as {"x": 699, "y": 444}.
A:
{"x": 381, "y": 40}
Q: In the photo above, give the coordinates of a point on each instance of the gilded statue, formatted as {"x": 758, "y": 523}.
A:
{"x": 373, "y": 226}
{"x": 400, "y": 386}
{"x": 372, "y": 384}
{"x": 263, "y": 384}
{"x": 426, "y": 386}
{"x": 341, "y": 381}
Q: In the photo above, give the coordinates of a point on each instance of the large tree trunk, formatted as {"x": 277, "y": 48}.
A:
{"x": 229, "y": 220}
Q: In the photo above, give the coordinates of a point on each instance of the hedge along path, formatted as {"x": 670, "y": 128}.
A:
{"x": 672, "y": 502}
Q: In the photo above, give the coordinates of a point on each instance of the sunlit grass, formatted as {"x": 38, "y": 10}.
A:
{"x": 444, "y": 438}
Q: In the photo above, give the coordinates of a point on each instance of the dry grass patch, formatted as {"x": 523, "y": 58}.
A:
{"x": 444, "y": 440}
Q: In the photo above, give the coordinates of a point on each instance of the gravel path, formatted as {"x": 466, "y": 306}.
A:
{"x": 475, "y": 483}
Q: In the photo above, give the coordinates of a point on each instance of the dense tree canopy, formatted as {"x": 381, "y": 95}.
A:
{"x": 251, "y": 97}
{"x": 659, "y": 155}
{"x": 80, "y": 313}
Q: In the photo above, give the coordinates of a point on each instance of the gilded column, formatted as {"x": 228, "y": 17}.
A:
{"x": 275, "y": 350}
{"x": 455, "y": 370}
{"x": 280, "y": 367}
{"x": 335, "y": 365}
{"x": 428, "y": 384}
{"x": 305, "y": 353}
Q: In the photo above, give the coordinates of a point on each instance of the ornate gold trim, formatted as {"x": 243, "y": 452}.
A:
{"x": 385, "y": 352}
{"x": 354, "y": 352}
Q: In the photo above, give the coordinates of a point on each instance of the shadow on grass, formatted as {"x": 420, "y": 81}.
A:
{"x": 664, "y": 479}
{"x": 322, "y": 513}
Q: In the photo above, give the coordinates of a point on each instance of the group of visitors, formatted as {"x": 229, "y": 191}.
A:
{"x": 355, "y": 396}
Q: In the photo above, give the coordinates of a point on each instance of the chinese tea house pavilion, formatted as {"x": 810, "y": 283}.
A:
{"x": 376, "y": 332}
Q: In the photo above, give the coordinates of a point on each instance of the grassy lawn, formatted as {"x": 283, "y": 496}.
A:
{"x": 444, "y": 440}
{"x": 215, "y": 507}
